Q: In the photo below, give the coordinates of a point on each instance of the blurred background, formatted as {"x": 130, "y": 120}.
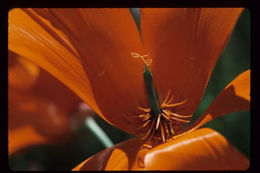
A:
{"x": 81, "y": 143}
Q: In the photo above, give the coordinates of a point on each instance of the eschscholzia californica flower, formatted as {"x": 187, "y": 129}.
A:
{"x": 37, "y": 114}
{"x": 148, "y": 86}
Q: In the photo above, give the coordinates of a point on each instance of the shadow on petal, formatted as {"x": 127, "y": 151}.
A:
{"x": 128, "y": 155}
{"x": 235, "y": 97}
{"x": 203, "y": 149}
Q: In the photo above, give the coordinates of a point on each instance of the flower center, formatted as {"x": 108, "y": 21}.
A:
{"x": 163, "y": 125}
{"x": 159, "y": 121}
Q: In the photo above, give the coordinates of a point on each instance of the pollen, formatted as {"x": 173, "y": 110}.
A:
{"x": 162, "y": 126}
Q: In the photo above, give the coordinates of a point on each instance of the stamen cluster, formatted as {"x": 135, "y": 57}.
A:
{"x": 163, "y": 125}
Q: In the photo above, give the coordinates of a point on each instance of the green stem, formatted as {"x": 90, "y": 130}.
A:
{"x": 98, "y": 132}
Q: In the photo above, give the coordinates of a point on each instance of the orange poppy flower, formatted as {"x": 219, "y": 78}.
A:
{"x": 89, "y": 51}
{"x": 37, "y": 114}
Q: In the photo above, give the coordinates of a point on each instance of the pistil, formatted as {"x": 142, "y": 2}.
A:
{"x": 158, "y": 118}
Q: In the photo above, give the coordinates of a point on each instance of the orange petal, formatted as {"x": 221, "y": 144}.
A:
{"x": 104, "y": 39}
{"x": 39, "y": 105}
{"x": 203, "y": 149}
{"x": 43, "y": 115}
{"x": 52, "y": 89}
{"x": 22, "y": 137}
{"x": 35, "y": 38}
{"x": 40, "y": 114}
{"x": 185, "y": 44}
{"x": 235, "y": 97}
{"x": 22, "y": 74}
{"x": 128, "y": 155}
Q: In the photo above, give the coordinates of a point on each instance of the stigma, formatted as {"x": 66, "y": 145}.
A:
{"x": 158, "y": 120}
